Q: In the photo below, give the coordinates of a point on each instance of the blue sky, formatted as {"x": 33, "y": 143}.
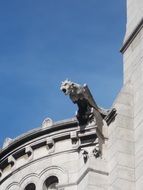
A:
{"x": 43, "y": 42}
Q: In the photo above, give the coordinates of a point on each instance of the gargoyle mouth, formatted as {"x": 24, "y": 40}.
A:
{"x": 65, "y": 91}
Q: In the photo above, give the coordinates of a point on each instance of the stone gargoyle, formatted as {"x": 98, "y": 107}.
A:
{"x": 88, "y": 111}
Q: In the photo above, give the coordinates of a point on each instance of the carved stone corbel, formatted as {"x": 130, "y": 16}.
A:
{"x": 29, "y": 152}
{"x": 11, "y": 161}
{"x": 50, "y": 145}
{"x": 74, "y": 139}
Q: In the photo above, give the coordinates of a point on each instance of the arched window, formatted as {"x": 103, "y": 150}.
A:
{"x": 30, "y": 186}
{"x": 50, "y": 183}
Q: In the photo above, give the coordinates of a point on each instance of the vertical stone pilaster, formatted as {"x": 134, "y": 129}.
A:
{"x": 121, "y": 143}
{"x": 134, "y": 15}
{"x": 133, "y": 72}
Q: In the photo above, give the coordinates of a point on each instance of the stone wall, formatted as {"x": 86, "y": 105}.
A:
{"x": 62, "y": 151}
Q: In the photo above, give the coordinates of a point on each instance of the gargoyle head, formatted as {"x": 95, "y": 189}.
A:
{"x": 72, "y": 89}
{"x": 67, "y": 87}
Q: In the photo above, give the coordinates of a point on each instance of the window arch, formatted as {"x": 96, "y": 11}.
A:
{"x": 50, "y": 183}
{"x": 30, "y": 186}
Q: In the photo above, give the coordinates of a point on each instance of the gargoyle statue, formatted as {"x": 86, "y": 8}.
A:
{"x": 88, "y": 110}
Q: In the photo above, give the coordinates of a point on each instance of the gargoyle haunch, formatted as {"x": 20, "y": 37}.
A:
{"x": 88, "y": 110}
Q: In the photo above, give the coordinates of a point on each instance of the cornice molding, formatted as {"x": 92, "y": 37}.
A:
{"x": 58, "y": 126}
{"x": 132, "y": 36}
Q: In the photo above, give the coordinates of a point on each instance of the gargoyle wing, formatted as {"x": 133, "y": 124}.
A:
{"x": 92, "y": 102}
{"x": 109, "y": 115}
{"x": 96, "y": 109}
